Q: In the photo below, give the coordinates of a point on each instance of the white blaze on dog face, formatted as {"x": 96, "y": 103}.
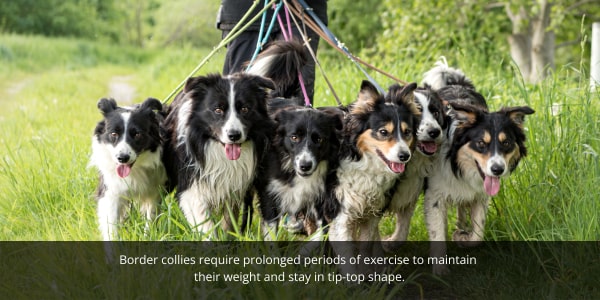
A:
{"x": 388, "y": 143}
{"x": 121, "y": 151}
{"x": 429, "y": 132}
{"x": 305, "y": 162}
{"x": 233, "y": 130}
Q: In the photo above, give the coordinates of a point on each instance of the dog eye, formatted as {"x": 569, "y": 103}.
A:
{"x": 407, "y": 131}
{"x": 294, "y": 138}
{"x": 481, "y": 144}
{"x": 244, "y": 110}
{"x": 218, "y": 111}
{"x": 506, "y": 144}
{"x": 114, "y": 135}
{"x": 318, "y": 139}
{"x": 383, "y": 132}
{"x": 436, "y": 114}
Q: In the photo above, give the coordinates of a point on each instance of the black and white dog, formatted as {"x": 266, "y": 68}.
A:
{"x": 127, "y": 149}
{"x": 430, "y": 134}
{"x": 218, "y": 133}
{"x": 305, "y": 152}
{"x": 378, "y": 142}
{"x": 482, "y": 148}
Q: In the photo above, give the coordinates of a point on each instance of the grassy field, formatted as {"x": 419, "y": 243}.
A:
{"x": 49, "y": 89}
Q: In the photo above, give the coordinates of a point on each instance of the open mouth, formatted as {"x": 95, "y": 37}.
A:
{"x": 233, "y": 151}
{"x": 491, "y": 184}
{"x": 304, "y": 174}
{"x": 393, "y": 166}
{"x": 427, "y": 148}
{"x": 123, "y": 170}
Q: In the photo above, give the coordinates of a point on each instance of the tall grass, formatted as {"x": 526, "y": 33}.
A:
{"x": 49, "y": 90}
{"x": 50, "y": 115}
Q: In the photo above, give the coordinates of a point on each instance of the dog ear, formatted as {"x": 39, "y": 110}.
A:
{"x": 263, "y": 82}
{"x": 106, "y": 105}
{"x": 337, "y": 121}
{"x": 152, "y": 103}
{"x": 465, "y": 114}
{"x": 280, "y": 115}
{"x": 404, "y": 96}
{"x": 517, "y": 113}
{"x": 336, "y": 115}
{"x": 367, "y": 98}
{"x": 201, "y": 82}
{"x": 399, "y": 93}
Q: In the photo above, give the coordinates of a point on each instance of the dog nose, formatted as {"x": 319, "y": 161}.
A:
{"x": 404, "y": 156}
{"x": 497, "y": 169}
{"x": 234, "y": 135}
{"x": 305, "y": 166}
{"x": 123, "y": 158}
{"x": 433, "y": 133}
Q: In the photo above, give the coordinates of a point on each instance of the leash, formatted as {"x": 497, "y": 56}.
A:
{"x": 235, "y": 32}
{"x": 288, "y": 36}
{"x": 314, "y": 56}
{"x": 325, "y": 33}
{"x": 262, "y": 39}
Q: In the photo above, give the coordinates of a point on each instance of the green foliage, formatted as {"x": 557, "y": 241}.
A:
{"x": 109, "y": 20}
{"x": 77, "y": 18}
{"x": 186, "y": 22}
{"x": 356, "y": 23}
{"x": 426, "y": 30}
{"x": 52, "y": 85}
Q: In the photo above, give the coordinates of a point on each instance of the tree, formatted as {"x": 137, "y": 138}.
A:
{"x": 532, "y": 40}
{"x": 541, "y": 33}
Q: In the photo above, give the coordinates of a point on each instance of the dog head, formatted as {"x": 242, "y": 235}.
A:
{"x": 222, "y": 108}
{"x": 384, "y": 126}
{"x": 128, "y": 131}
{"x": 306, "y": 137}
{"x": 490, "y": 144}
{"x": 429, "y": 132}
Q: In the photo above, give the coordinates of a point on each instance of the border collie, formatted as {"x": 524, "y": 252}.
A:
{"x": 218, "y": 134}
{"x": 305, "y": 151}
{"x": 430, "y": 135}
{"x": 127, "y": 149}
{"x": 378, "y": 142}
{"x": 482, "y": 148}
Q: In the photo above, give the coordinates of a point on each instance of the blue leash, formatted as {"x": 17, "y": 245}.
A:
{"x": 262, "y": 39}
{"x": 341, "y": 46}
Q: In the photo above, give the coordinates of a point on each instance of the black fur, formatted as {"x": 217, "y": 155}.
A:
{"x": 207, "y": 93}
{"x": 298, "y": 129}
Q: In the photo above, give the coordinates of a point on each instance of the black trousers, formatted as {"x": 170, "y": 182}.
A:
{"x": 241, "y": 49}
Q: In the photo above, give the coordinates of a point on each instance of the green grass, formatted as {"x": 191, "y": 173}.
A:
{"x": 49, "y": 89}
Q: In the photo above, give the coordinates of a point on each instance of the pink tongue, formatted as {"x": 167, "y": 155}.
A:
{"x": 396, "y": 167}
{"x": 233, "y": 151}
{"x": 430, "y": 147}
{"x": 491, "y": 185}
{"x": 123, "y": 170}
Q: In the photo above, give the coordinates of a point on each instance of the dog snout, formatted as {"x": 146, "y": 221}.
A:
{"x": 497, "y": 169}
{"x": 123, "y": 158}
{"x": 434, "y": 133}
{"x": 305, "y": 165}
{"x": 234, "y": 135}
{"x": 404, "y": 156}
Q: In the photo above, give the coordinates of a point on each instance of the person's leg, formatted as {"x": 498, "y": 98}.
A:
{"x": 239, "y": 51}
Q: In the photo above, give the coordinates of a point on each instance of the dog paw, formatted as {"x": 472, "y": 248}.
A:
{"x": 460, "y": 235}
{"x": 465, "y": 239}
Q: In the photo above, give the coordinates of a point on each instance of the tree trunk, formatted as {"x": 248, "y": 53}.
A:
{"x": 531, "y": 44}
{"x": 520, "y": 51}
{"x": 542, "y": 55}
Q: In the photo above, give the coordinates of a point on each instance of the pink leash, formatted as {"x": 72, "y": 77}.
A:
{"x": 287, "y": 36}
